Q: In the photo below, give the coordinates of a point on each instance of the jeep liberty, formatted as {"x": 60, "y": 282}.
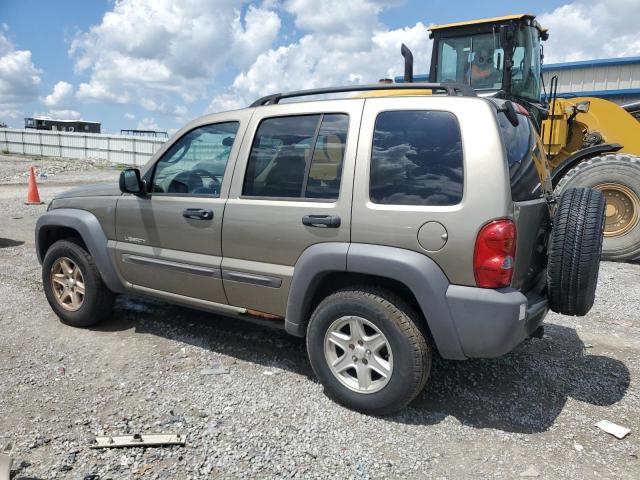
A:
{"x": 381, "y": 228}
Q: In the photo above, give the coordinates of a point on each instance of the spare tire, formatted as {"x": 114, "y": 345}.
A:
{"x": 574, "y": 251}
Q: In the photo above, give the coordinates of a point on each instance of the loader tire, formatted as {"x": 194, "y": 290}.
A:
{"x": 574, "y": 251}
{"x": 617, "y": 176}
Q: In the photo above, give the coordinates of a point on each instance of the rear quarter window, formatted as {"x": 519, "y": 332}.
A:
{"x": 416, "y": 159}
{"x": 521, "y": 145}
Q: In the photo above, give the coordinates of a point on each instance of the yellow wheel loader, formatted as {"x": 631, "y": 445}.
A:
{"x": 589, "y": 141}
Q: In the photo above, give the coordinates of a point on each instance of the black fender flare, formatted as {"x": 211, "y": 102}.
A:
{"x": 420, "y": 274}
{"x": 90, "y": 230}
{"x": 579, "y": 156}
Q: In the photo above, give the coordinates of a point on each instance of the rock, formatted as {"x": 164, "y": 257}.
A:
{"x": 216, "y": 369}
{"x": 530, "y": 472}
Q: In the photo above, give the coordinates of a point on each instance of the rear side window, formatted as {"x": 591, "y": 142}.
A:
{"x": 520, "y": 144}
{"x": 416, "y": 159}
{"x": 297, "y": 157}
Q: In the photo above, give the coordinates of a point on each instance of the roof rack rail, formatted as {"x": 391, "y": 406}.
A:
{"x": 453, "y": 89}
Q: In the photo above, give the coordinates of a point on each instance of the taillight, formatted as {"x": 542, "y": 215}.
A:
{"x": 494, "y": 254}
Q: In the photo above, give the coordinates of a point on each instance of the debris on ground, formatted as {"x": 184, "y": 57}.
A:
{"x": 5, "y": 466}
{"x": 613, "y": 429}
{"x": 138, "y": 440}
{"x": 215, "y": 369}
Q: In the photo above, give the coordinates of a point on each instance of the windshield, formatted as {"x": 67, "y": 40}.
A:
{"x": 478, "y": 61}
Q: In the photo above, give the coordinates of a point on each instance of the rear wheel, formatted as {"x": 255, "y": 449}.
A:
{"x": 366, "y": 348}
{"x": 618, "y": 178}
{"x": 574, "y": 251}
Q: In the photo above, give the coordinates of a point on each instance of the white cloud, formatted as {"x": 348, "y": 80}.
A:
{"x": 129, "y": 116}
{"x": 335, "y": 17}
{"x": 19, "y": 78}
{"x": 148, "y": 124}
{"x": 591, "y": 29}
{"x": 150, "y": 51}
{"x": 61, "y": 96}
{"x": 346, "y": 44}
{"x": 60, "y": 114}
{"x": 251, "y": 37}
{"x": 12, "y": 113}
{"x": 163, "y": 107}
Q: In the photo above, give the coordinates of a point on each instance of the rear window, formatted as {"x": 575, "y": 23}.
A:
{"x": 416, "y": 159}
{"x": 520, "y": 144}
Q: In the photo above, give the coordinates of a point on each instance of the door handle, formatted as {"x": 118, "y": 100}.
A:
{"x": 197, "y": 213}
{"x": 322, "y": 221}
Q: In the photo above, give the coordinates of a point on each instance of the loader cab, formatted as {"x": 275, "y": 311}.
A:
{"x": 496, "y": 56}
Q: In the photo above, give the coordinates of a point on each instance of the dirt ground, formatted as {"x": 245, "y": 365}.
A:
{"x": 528, "y": 414}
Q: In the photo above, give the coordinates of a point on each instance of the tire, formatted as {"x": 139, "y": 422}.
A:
{"x": 574, "y": 251}
{"x": 618, "y": 176}
{"x": 410, "y": 356}
{"x": 91, "y": 307}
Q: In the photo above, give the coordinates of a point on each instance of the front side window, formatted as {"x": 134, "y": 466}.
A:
{"x": 297, "y": 157}
{"x": 196, "y": 163}
{"x": 416, "y": 159}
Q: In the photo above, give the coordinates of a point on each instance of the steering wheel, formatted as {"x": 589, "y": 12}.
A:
{"x": 191, "y": 182}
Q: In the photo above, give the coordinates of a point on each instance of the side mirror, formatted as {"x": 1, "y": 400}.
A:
{"x": 583, "y": 107}
{"x": 130, "y": 181}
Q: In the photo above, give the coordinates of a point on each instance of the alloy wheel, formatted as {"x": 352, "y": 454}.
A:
{"x": 67, "y": 283}
{"x": 358, "y": 354}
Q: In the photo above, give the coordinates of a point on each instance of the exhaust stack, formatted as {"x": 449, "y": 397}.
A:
{"x": 408, "y": 63}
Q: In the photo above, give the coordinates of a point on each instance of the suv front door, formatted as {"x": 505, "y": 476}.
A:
{"x": 169, "y": 240}
{"x": 291, "y": 189}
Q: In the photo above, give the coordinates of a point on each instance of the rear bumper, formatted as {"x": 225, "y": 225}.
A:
{"x": 491, "y": 323}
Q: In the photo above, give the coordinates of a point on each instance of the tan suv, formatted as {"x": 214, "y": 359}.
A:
{"x": 379, "y": 227}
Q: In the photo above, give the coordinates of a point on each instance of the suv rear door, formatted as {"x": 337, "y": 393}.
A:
{"x": 291, "y": 189}
{"x": 429, "y": 175}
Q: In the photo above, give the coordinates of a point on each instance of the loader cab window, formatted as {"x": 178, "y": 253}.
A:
{"x": 525, "y": 75}
{"x": 475, "y": 60}
{"x": 478, "y": 61}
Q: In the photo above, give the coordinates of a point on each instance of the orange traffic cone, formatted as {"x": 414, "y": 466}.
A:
{"x": 33, "y": 197}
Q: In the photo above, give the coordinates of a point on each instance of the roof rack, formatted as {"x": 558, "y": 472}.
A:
{"x": 452, "y": 89}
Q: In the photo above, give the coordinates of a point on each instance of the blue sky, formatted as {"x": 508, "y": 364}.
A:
{"x": 159, "y": 63}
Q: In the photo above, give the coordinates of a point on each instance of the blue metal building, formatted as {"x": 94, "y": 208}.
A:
{"x": 616, "y": 79}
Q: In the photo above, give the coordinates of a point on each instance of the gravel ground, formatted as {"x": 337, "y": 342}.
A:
{"x": 528, "y": 414}
{"x": 14, "y": 170}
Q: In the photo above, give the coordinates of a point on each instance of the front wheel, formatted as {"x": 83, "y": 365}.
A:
{"x": 366, "y": 348}
{"x": 73, "y": 285}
